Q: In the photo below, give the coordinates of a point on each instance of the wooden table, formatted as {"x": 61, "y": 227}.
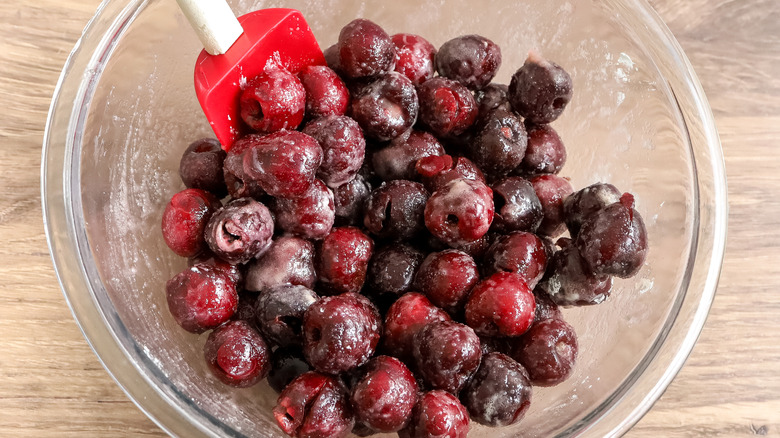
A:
{"x": 52, "y": 385}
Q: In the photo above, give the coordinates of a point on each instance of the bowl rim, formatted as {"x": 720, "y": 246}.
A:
{"x": 61, "y": 215}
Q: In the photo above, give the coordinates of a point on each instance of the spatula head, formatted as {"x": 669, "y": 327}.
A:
{"x": 271, "y": 37}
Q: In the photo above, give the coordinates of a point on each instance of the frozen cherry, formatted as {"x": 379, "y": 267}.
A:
{"x": 364, "y": 49}
{"x": 246, "y": 309}
{"x": 286, "y": 365}
{"x": 395, "y": 210}
{"x": 551, "y": 191}
{"x": 446, "y": 278}
{"x": 201, "y": 297}
{"x": 500, "y": 392}
{"x": 333, "y": 59}
{"x": 447, "y": 107}
{"x": 490, "y": 98}
{"x": 517, "y": 206}
{"x": 283, "y": 163}
{"x": 343, "y": 148}
{"x": 240, "y": 231}
{"x": 185, "y": 218}
{"x": 545, "y": 306}
{"x": 201, "y": 166}
{"x": 472, "y": 60}
{"x": 392, "y": 269}
{"x": 350, "y": 200}
{"x": 237, "y": 355}
{"x": 447, "y": 354}
{"x": 540, "y": 90}
{"x": 326, "y": 94}
{"x": 273, "y": 100}
{"x": 613, "y": 241}
{"x": 580, "y": 205}
{"x": 548, "y": 352}
{"x": 404, "y": 319}
{"x": 382, "y": 376}
{"x": 545, "y": 152}
{"x": 438, "y": 414}
{"x": 289, "y": 260}
{"x": 437, "y": 171}
{"x": 279, "y": 312}
{"x": 414, "y": 57}
{"x": 460, "y": 212}
{"x": 501, "y": 305}
{"x": 237, "y": 183}
{"x": 519, "y": 252}
{"x": 398, "y": 159}
{"x": 500, "y": 145}
{"x": 314, "y": 406}
{"x": 386, "y": 107}
{"x": 310, "y": 215}
{"x": 342, "y": 260}
{"x": 570, "y": 282}
{"x": 340, "y": 333}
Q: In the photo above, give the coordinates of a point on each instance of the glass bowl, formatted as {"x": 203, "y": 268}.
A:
{"x": 125, "y": 109}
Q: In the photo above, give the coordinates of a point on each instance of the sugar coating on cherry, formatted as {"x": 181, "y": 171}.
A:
{"x": 384, "y": 375}
{"x": 343, "y": 148}
{"x": 326, "y": 93}
{"x": 613, "y": 241}
{"x": 447, "y": 107}
{"x": 437, "y": 414}
{"x": 545, "y": 152}
{"x": 551, "y": 191}
{"x": 472, "y": 60}
{"x": 342, "y": 260}
{"x": 446, "y": 278}
{"x": 237, "y": 355}
{"x": 517, "y": 208}
{"x": 340, "y": 333}
{"x": 500, "y": 392}
{"x": 570, "y": 282}
{"x": 460, "y": 212}
{"x": 364, "y": 49}
{"x": 310, "y": 215}
{"x": 398, "y": 160}
{"x": 501, "y": 305}
{"x": 386, "y": 107}
{"x": 548, "y": 351}
{"x": 201, "y": 297}
{"x": 314, "y": 405}
{"x": 396, "y": 210}
{"x": 185, "y": 218}
{"x": 392, "y": 269}
{"x": 414, "y": 57}
{"x": 284, "y": 163}
{"x": 289, "y": 260}
{"x": 408, "y": 315}
{"x": 446, "y": 354}
{"x": 540, "y": 90}
{"x": 273, "y": 100}
{"x": 519, "y": 252}
{"x": 240, "y": 231}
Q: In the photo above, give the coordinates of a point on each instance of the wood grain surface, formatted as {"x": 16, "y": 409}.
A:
{"x": 52, "y": 385}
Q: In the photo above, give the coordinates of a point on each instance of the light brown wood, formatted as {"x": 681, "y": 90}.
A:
{"x": 51, "y": 384}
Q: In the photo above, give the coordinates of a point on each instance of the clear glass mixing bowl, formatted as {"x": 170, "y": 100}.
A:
{"x": 125, "y": 109}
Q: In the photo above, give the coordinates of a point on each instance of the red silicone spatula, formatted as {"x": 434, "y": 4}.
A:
{"x": 238, "y": 49}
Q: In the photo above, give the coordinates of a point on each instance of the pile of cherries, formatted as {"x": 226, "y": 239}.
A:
{"x": 384, "y": 254}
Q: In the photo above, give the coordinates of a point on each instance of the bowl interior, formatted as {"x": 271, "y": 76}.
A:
{"x": 623, "y": 126}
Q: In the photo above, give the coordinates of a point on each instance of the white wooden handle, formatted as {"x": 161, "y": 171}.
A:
{"x": 214, "y": 22}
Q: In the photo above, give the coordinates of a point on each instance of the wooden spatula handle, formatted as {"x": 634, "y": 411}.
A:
{"x": 214, "y": 22}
